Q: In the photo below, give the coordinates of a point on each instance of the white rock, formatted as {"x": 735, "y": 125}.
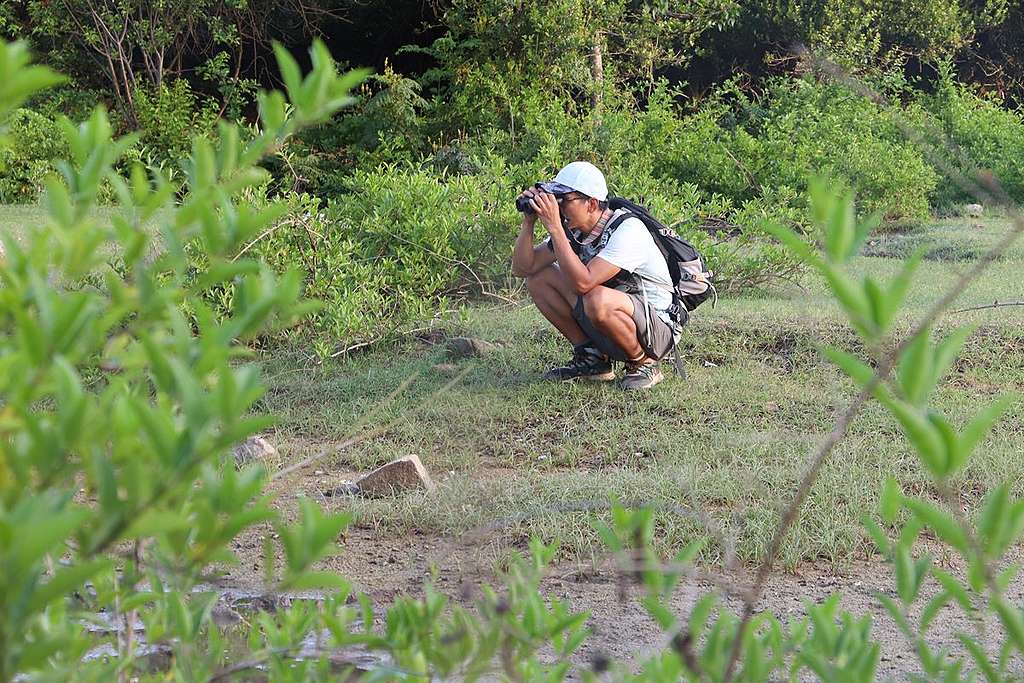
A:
{"x": 253, "y": 448}
{"x": 399, "y": 475}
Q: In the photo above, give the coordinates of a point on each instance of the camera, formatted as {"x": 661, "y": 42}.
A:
{"x": 523, "y": 203}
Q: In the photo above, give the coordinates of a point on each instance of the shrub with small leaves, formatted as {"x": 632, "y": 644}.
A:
{"x": 116, "y": 411}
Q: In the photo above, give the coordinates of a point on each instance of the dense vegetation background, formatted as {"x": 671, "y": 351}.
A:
{"x": 122, "y": 390}
{"x": 705, "y": 110}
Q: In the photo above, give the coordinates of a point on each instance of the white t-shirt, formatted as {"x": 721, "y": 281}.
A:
{"x": 632, "y": 249}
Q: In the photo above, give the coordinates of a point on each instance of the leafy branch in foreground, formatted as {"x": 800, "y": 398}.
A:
{"x": 942, "y": 450}
{"x": 116, "y": 408}
{"x": 121, "y": 392}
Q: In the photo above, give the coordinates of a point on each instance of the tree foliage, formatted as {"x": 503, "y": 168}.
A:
{"x": 867, "y": 33}
{"x": 138, "y": 45}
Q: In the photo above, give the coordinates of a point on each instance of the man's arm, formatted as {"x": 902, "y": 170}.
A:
{"x": 583, "y": 277}
{"x": 527, "y": 259}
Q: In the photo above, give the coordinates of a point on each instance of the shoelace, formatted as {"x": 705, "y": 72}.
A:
{"x": 645, "y": 369}
{"x": 582, "y": 360}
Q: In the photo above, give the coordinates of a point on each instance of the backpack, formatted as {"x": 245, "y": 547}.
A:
{"x": 691, "y": 280}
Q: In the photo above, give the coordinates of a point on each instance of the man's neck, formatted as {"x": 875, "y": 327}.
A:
{"x": 593, "y": 221}
{"x": 596, "y": 228}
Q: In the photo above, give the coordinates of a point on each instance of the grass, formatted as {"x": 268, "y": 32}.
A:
{"x": 517, "y": 457}
{"x": 520, "y": 456}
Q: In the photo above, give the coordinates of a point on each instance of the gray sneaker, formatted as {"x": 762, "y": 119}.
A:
{"x": 642, "y": 375}
{"x": 585, "y": 364}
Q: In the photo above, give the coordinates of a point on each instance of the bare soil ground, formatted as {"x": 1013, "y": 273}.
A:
{"x": 386, "y": 565}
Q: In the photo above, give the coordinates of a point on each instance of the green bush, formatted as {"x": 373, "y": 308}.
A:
{"x": 169, "y": 117}
{"x": 797, "y": 129}
{"x": 35, "y": 143}
{"x": 987, "y": 135}
{"x": 398, "y": 247}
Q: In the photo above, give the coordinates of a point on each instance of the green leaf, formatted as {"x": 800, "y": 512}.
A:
{"x": 950, "y": 441}
{"x": 794, "y": 243}
{"x": 223, "y": 271}
{"x": 898, "y": 288}
{"x": 976, "y": 430}
{"x": 1011, "y": 619}
{"x": 852, "y": 299}
{"x": 700, "y": 613}
{"x": 877, "y": 535}
{"x": 50, "y": 528}
{"x": 858, "y": 371}
{"x": 980, "y": 658}
{"x": 954, "y": 588}
{"x": 923, "y": 436}
{"x": 916, "y": 369}
{"x": 155, "y": 522}
{"x": 947, "y": 351}
{"x": 891, "y": 499}
{"x": 944, "y": 526}
{"x": 895, "y": 612}
{"x": 995, "y": 518}
{"x": 932, "y": 609}
{"x": 290, "y": 73}
{"x": 904, "y": 566}
{"x": 863, "y": 230}
{"x": 66, "y": 580}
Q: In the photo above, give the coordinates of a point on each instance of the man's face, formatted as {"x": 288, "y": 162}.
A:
{"x": 575, "y": 210}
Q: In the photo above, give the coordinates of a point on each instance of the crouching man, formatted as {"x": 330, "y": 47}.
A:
{"x": 607, "y": 291}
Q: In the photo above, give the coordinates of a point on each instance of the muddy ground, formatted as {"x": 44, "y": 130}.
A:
{"x": 385, "y": 566}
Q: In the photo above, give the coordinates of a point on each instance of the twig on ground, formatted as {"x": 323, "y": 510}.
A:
{"x": 359, "y": 438}
{"x": 355, "y": 347}
{"x": 994, "y": 304}
{"x": 376, "y": 340}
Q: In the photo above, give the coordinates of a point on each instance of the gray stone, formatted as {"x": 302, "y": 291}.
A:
{"x": 466, "y": 347}
{"x": 253, "y": 449}
{"x": 974, "y": 210}
{"x": 404, "y": 474}
{"x": 346, "y": 488}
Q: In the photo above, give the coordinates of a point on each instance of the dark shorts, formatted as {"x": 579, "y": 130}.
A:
{"x": 656, "y": 339}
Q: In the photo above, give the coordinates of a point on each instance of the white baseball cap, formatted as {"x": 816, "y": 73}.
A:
{"x": 581, "y": 176}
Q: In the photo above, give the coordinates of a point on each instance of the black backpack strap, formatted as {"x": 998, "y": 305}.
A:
{"x": 619, "y": 221}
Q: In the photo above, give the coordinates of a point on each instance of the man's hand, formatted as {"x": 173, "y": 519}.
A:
{"x": 546, "y": 207}
{"x": 529, "y": 219}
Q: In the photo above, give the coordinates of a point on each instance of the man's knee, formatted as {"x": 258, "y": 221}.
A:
{"x": 598, "y": 304}
{"x": 544, "y": 280}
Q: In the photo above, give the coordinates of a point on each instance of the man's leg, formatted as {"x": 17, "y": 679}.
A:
{"x": 612, "y": 314}
{"x": 611, "y": 311}
{"x": 554, "y": 297}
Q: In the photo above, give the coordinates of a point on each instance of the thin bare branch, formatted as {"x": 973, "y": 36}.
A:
{"x": 987, "y": 189}
{"x": 994, "y": 304}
